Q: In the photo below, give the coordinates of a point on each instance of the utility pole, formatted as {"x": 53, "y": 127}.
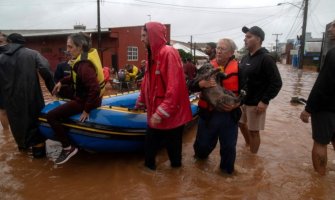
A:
{"x": 99, "y": 30}
{"x": 277, "y": 34}
{"x": 191, "y": 45}
{"x": 195, "y": 44}
{"x": 303, "y": 36}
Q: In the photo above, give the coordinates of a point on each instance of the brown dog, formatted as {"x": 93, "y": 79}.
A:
{"x": 217, "y": 95}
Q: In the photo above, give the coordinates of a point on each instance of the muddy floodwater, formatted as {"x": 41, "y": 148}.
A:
{"x": 282, "y": 169}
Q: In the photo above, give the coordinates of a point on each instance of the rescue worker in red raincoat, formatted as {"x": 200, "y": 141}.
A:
{"x": 165, "y": 95}
{"x": 219, "y": 124}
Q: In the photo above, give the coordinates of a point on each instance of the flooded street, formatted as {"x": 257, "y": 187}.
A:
{"x": 282, "y": 169}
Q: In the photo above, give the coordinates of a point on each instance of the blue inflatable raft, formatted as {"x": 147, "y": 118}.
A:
{"x": 113, "y": 127}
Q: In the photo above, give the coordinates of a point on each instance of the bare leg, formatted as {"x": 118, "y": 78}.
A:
{"x": 255, "y": 141}
{"x": 4, "y": 119}
{"x": 245, "y": 133}
{"x": 319, "y": 158}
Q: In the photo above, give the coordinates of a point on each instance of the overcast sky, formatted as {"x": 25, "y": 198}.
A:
{"x": 205, "y": 20}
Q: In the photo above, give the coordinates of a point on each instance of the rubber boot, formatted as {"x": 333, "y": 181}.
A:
{"x": 38, "y": 150}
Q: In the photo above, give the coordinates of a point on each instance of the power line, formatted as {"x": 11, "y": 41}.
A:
{"x": 38, "y": 3}
{"x": 231, "y": 28}
{"x": 293, "y": 23}
{"x": 313, "y": 25}
{"x": 317, "y": 20}
{"x": 183, "y": 8}
{"x": 201, "y": 7}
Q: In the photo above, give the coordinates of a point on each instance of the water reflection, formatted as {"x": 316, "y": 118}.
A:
{"x": 298, "y": 85}
{"x": 282, "y": 169}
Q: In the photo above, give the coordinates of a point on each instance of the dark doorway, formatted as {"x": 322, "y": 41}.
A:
{"x": 115, "y": 62}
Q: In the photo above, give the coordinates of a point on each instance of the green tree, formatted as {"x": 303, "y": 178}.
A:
{"x": 184, "y": 55}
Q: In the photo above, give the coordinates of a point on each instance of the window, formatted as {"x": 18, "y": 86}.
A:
{"x": 132, "y": 53}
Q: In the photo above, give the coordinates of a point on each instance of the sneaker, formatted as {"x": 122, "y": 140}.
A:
{"x": 65, "y": 155}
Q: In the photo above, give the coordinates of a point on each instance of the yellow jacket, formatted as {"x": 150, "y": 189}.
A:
{"x": 132, "y": 75}
{"x": 93, "y": 57}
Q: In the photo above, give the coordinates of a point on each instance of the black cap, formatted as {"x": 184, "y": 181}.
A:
{"x": 255, "y": 30}
{"x": 211, "y": 44}
{"x": 16, "y": 38}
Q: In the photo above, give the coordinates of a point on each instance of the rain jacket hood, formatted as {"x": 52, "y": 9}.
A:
{"x": 10, "y": 49}
{"x": 157, "y": 36}
{"x": 3, "y": 48}
{"x": 163, "y": 90}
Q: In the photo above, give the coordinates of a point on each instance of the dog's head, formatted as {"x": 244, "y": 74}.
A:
{"x": 206, "y": 71}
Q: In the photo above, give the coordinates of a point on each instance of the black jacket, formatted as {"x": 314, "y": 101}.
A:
{"x": 260, "y": 77}
{"x": 21, "y": 91}
{"x": 322, "y": 96}
{"x": 63, "y": 69}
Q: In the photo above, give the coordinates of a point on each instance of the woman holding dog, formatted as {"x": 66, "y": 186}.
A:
{"x": 220, "y": 122}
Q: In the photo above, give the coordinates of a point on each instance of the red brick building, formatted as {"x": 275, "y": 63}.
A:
{"x": 119, "y": 46}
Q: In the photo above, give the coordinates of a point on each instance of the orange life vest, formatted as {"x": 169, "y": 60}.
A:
{"x": 230, "y": 83}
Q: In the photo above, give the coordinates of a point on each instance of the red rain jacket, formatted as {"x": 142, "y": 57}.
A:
{"x": 164, "y": 90}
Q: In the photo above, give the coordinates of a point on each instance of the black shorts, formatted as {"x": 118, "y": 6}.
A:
{"x": 1, "y": 104}
{"x": 323, "y": 127}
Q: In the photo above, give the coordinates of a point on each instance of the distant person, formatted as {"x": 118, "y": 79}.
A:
{"x": 88, "y": 80}
{"x": 63, "y": 68}
{"x": 189, "y": 69}
{"x": 321, "y": 108}
{"x": 165, "y": 96}
{"x": 210, "y": 50}
{"x": 141, "y": 71}
{"x": 262, "y": 81}
{"x": 140, "y": 75}
{"x": 3, "y": 40}
{"x": 114, "y": 71}
{"x": 219, "y": 124}
{"x": 22, "y": 94}
{"x": 107, "y": 72}
{"x": 3, "y": 115}
{"x": 113, "y": 76}
{"x": 131, "y": 72}
{"x": 122, "y": 75}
